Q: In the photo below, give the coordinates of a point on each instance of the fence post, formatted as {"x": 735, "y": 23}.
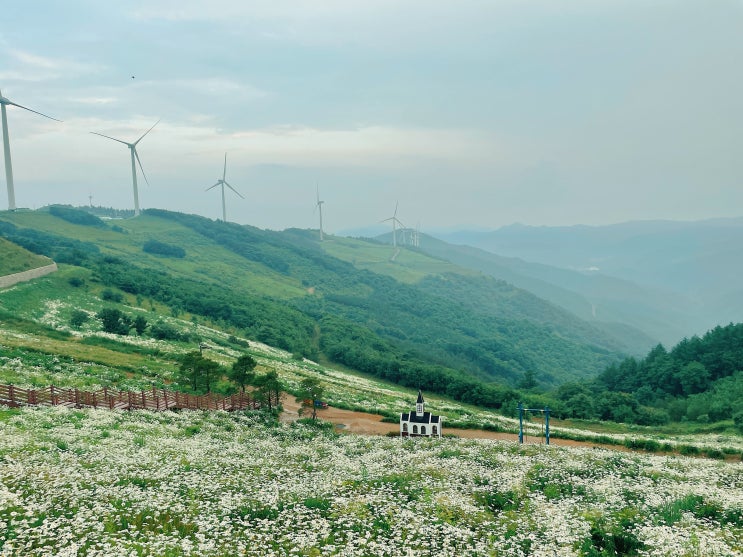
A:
{"x": 11, "y": 394}
{"x": 521, "y": 423}
{"x": 547, "y": 425}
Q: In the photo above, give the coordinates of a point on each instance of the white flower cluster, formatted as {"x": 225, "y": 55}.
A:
{"x": 101, "y": 483}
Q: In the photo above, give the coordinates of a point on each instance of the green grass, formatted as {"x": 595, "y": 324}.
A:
{"x": 15, "y": 259}
{"x": 410, "y": 266}
{"x": 204, "y": 258}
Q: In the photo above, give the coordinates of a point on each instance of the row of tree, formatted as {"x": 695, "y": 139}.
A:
{"x": 201, "y": 373}
{"x": 700, "y": 379}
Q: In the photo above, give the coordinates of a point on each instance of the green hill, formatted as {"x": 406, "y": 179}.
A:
{"x": 419, "y": 323}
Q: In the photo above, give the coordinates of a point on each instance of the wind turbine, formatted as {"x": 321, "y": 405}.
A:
{"x": 318, "y": 206}
{"x": 395, "y": 222}
{"x": 223, "y": 183}
{"x": 133, "y": 151}
{"x": 6, "y": 147}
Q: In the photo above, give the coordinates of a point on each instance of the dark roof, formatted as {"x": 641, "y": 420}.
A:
{"x": 426, "y": 418}
{"x": 420, "y": 397}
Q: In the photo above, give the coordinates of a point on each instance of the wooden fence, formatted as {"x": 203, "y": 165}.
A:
{"x": 153, "y": 399}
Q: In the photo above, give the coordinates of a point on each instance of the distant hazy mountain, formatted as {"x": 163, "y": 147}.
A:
{"x": 686, "y": 274}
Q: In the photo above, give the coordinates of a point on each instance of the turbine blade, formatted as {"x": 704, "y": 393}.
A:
{"x": 233, "y": 189}
{"x": 224, "y": 173}
{"x": 140, "y": 165}
{"x": 7, "y": 101}
{"x": 109, "y": 137}
{"x": 396, "y": 204}
{"x": 145, "y": 133}
{"x": 212, "y": 187}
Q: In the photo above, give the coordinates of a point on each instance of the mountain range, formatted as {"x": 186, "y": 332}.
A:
{"x": 667, "y": 279}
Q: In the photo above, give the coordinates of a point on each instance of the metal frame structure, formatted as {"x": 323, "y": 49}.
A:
{"x": 546, "y": 411}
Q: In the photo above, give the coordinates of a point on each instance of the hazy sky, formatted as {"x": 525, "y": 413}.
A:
{"x": 467, "y": 112}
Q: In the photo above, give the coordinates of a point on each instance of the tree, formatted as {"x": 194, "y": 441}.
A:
{"x": 269, "y": 388}
{"x": 199, "y": 372}
{"x": 115, "y": 321}
{"x": 694, "y": 378}
{"x": 529, "y": 381}
{"x": 140, "y": 324}
{"x": 242, "y": 371}
{"x": 310, "y": 393}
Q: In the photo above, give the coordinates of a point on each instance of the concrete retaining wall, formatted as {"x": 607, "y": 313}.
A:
{"x": 10, "y": 280}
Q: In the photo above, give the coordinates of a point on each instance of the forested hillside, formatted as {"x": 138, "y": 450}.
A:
{"x": 699, "y": 380}
{"x": 469, "y": 337}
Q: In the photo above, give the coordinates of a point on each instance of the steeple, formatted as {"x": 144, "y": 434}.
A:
{"x": 419, "y": 404}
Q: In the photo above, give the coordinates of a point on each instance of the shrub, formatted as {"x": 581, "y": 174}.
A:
{"x": 114, "y": 321}
{"x": 161, "y": 248}
{"x": 78, "y": 318}
{"x": 140, "y": 324}
{"x": 738, "y": 420}
{"x": 163, "y": 331}
{"x": 77, "y": 282}
{"x": 110, "y": 296}
{"x": 75, "y": 216}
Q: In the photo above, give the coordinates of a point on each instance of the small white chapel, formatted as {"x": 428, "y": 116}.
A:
{"x": 420, "y": 423}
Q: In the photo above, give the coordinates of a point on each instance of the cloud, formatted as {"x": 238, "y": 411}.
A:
{"x": 32, "y": 67}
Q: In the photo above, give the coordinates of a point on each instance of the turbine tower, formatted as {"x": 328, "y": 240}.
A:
{"x": 395, "y": 223}
{"x": 318, "y": 206}
{"x": 6, "y": 147}
{"x": 223, "y": 183}
{"x": 134, "y": 154}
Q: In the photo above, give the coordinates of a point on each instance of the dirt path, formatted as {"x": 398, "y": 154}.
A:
{"x": 363, "y": 423}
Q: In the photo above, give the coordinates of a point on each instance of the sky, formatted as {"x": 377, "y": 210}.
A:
{"x": 464, "y": 114}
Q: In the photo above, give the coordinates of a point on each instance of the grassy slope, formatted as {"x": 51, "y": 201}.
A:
{"x": 409, "y": 266}
{"x": 15, "y": 259}
{"x": 205, "y": 259}
{"x": 509, "y": 324}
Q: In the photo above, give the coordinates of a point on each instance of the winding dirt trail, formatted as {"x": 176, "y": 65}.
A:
{"x": 363, "y": 423}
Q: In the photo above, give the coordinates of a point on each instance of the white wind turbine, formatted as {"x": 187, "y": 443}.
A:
{"x": 395, "y": 222}
{"x": 318, "y": 206}
{"x": 223, "y": 183}
{"x": 134, "y": 154}
{"x": 6, "y": 147}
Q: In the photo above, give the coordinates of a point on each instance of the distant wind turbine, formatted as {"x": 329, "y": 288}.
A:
{"x": 134, "y": 154}
{"x": 318, "y": 206}
{"x": 6, "y": 147}
{"x": 395, "y": 222}
{"x": 223, "y": 183}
